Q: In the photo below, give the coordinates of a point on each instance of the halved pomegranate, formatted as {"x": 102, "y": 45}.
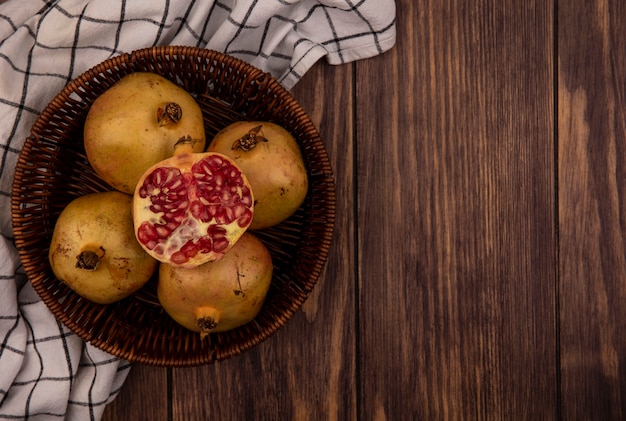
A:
{"x": 191, "y": 208}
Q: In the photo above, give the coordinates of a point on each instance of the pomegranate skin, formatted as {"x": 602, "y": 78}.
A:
{"x": 192, "y": 207}
{"x": 220, "y": 295}
{"x": 271, "y": 158}
{"x": 127, "y": 129}
{"x": 93, "y": 249}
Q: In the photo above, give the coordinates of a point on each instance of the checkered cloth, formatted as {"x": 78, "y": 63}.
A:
{"x": 47, "y": 372}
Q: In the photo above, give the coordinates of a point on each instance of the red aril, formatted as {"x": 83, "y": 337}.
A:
{"x": 191, "y": 208}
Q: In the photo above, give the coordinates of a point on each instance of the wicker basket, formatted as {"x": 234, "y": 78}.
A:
{"x": 52, "y": 170}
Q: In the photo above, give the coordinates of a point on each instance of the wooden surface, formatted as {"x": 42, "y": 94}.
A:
{"x": 479, "y": 266}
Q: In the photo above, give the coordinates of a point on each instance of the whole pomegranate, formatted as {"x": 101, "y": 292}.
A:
{"x": 94, "y": 251}
{"x": 135, "y": 123}
{"x": 271, "y": 158}
{"x": 192, "y": 207}
{"x": 221, "y": 295}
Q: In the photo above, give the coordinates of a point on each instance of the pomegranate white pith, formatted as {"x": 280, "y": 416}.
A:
{"x": 191, "y": 208}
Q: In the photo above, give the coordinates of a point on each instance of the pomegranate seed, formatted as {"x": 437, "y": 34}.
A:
{"x": 190, "y": 214}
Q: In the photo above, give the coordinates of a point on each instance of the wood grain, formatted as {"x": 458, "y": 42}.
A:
{"x": 456, "y": 232}
{"x": 591, "y": 173}
{"x": 144, "y": 396}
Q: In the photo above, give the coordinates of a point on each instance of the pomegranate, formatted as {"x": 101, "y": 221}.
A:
{"x": 191, "y": 208}
{"x": 135, "y": 123}
{"x": 271, "y": 158}
{"x": 220, "y": 295}
{"x": 94, "y": 250}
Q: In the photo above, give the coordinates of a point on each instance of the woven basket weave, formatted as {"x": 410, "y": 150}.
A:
{"x": 52, "y": 170}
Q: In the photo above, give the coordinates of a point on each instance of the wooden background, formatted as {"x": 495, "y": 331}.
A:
{"x": 478, "y": 269}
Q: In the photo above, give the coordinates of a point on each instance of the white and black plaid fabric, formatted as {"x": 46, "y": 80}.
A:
{"x": 46, "y": 372}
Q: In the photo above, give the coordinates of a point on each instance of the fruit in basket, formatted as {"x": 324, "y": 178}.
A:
{"x": 271, "y": 158}
{"x": 135, "y": 123}
{"x": 192, "y": 207}
{"x": 221, "y": 295}
{"x": 94, "y": 251}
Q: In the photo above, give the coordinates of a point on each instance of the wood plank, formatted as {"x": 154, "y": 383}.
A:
{"x": 144, "y": 396}
{"x": 591, "y": 174}
{"x": 456, "y": 233}
{"x": 307, "y": 369}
